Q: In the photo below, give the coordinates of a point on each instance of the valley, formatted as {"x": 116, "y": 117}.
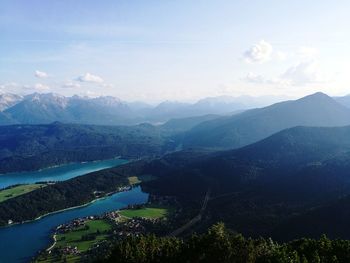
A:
{"x": 268, "y": 183}
{"x": 79, "y": 239}
{"x": 23, "y": 249}
{"x": 174, "y": 131}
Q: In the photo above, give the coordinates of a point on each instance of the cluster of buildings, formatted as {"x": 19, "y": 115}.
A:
{"x": 124, "y": 188}
{"x": 79, "y": 222}
{"x": 69, "y": 250}
{"x": 113, "y": 216}
{"x": 123, "y": 227}
{"x": 130, "y": 227}
{"x": 99, "y": 194}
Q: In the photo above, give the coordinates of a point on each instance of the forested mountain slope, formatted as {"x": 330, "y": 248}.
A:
{"x": 31, "y": 147}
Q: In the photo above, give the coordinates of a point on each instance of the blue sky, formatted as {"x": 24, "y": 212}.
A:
{"x": 177, "y": 50}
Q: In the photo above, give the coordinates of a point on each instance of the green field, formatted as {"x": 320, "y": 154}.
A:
{"x": 18, "y": 190}
{"x": 134, "y": 180}
{"x": 147, "y": 212}
{"x": 99, "y": 228}
{"x": 141, "y": 178}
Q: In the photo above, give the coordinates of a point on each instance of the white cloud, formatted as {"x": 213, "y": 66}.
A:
{"x": 105, "y": 85}
{"x": 307, "y": 53}
{"x": 259, "y": 79}
{"x": 258, "y": 53}
{"x": 254, "y": 78}
{"x": 91, "y": 94}
{"x": 13, "y": 87}
{"x": 88, "y": 77}
{"x": 71, "y": 85}
{"x": 41, "y": 87}
{"x": 38, "y": 87}
{"x": 305, "y": 73}
{"x": 41, "y": 74}
{"x": 280, "y": 55}
{"x": 5, "y": 86}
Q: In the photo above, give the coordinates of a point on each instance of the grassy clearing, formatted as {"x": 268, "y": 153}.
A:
{"x": 97, "y": 228}
{"x": 75, "y": 238}
{"x": 134, "y": 180}
{"x": 18, "y": 190}
{"x": 141, "y": 178}
{"x": 147, "y": 212}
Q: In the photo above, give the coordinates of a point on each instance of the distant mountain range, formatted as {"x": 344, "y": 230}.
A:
{"x": 46, "y": 108}
{"x": 253, "y": 125}
{"x": 22, "y": 145}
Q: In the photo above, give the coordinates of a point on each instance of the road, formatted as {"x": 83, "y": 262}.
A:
{"x": 194, "y": 220}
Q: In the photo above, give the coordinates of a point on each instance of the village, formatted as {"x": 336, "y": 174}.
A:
{"x": 83, "y": 235}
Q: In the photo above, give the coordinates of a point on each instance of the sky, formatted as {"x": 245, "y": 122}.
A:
{"x": 175, "y": 49}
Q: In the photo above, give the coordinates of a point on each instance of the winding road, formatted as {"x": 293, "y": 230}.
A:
{"x": 194, "y": 220}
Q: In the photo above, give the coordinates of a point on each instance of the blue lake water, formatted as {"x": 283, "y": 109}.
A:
{"x": 59, "y": 173}
{"x": 19, "y": 243}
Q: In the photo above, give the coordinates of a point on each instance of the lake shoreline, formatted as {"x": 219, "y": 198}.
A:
{"x": 37, "y": 236}
{"x": 70, "y": 208}
{"x": 58, "y": 174}
{"x": 59, "y": 165}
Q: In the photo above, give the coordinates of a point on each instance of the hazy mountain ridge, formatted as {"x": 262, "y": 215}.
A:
{"x": 253, "y": 125}
{"x": 8, "y": 100}
{"x": 46, "y": 108}
{"x": 107, "y": 110}
{"x": 211, "y": 131}
{"x": 184, "y": 124}
{"x": 344, "y": 100}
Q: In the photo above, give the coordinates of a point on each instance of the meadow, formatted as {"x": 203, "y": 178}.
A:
{"x": 18, "y": 190}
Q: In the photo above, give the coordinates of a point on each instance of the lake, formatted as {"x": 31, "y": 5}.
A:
{"x": 59, "y": 173}
{"x": 19, "y": 243}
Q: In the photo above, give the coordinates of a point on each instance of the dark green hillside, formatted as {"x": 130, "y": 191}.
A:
{"x": 332, "y": 218}
{"x": 73, "y": 192}
{"x": 296, "y": 149}
{"x": 219, "y": 245}
{"x": 257, "y": 187}
{"x": 31, "y": 147}
{"x": 253, "y": 125}
{"x": 254, "y": 190}
{"x": 80, "y": 190}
